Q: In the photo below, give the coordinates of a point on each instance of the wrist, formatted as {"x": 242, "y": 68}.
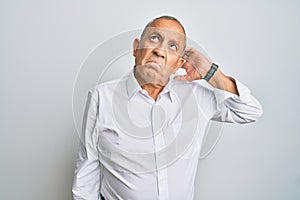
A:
{"x": 211, "y": 72}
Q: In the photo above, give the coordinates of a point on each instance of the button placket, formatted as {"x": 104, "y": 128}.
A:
{"x": 158, "y": 121}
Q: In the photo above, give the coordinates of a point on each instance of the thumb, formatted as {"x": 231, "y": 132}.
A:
{"x": 180, "y": 78}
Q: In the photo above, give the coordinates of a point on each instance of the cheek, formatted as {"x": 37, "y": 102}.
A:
{"x": 141, "y": 56}
{"x": 173, "y": 60}
{"x": 148, "y": 44}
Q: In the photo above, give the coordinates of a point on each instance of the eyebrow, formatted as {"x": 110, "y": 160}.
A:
{"x": 176, "y": 43}
{"x": 159, "y": 35}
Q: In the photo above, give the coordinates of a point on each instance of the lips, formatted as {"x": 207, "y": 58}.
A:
{"x": 154, "y": 65}
{"x": 153, "y": 61}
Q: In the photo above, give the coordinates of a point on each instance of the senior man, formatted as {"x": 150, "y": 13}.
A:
{"x": 142, "y": 134}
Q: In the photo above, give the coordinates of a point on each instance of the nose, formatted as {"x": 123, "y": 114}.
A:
{"x": 160, "y": 52}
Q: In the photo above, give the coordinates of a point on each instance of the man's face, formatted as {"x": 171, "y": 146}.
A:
{"x": 158, "y": 52}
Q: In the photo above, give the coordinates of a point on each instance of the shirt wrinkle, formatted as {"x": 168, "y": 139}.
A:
{"x": 117, "y": 172}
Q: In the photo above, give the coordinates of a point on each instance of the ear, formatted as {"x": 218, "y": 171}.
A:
{"x": 135, "y": 45}
{"x": 180, "y": 63}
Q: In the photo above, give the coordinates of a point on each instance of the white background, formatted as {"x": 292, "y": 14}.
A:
{"x": 44, "y": 43}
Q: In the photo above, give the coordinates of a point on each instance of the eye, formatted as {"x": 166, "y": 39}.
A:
{"x": 154, "y": 38}
{"x": 173, "y": 47}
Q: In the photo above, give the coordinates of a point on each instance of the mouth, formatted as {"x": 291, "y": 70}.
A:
{"x": 154, "y": 64}
{"x": 153, "y": 61}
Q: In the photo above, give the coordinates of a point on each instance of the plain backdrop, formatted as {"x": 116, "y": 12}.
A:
{"x": 44, "y": 43}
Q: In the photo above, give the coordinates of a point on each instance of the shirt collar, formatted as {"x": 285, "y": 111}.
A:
{"x": 168, "y": 90}
{"x": 133, "y": 87}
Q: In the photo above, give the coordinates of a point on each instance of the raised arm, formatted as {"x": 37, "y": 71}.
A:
{"x": 229, "y": 100}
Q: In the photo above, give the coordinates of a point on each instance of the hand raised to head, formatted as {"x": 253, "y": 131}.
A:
{"x": 196, "y": 65}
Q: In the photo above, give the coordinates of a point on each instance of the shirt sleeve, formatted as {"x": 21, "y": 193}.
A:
{"x": 228, "y": 107}
{"x": 86, "y": 183}
{"x": 223, "y": 106}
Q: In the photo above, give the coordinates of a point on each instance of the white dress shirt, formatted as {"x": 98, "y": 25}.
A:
{"x": 136, "y": 148}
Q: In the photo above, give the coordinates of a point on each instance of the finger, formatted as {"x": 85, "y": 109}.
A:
{"x": 185, "y": 66}
{"x": 184, "y": 78}
{"x": 180, "y": 78}
{"x": 188, "y": 53}
{"x": 189, "y": 50}
{"x": 186, "y": 57}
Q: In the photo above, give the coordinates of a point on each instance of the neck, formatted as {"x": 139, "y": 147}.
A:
{"x": 153, "y": 90}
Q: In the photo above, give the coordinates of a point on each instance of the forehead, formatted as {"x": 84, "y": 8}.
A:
{"x": 168, "y": 24}
{"x": 168, "y": 28}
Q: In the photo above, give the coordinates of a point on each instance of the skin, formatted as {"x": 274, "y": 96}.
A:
{"x": 158, "y": 55}
{"x": 198, "y": 65}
